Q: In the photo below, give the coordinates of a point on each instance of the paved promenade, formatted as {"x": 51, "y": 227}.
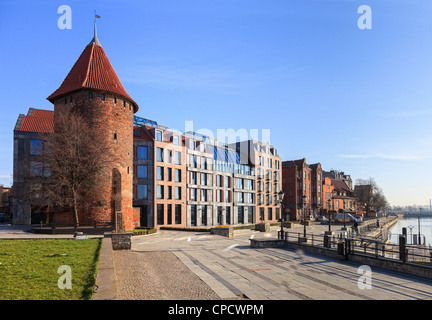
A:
{"x": 223, "y": 268}
{"x": 196, "y": 265}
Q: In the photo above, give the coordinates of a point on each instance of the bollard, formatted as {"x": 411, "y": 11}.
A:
{"x": 402, "y": 248}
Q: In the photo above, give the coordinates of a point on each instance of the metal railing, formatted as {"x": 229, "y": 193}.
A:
{"x": 362, "y": 245}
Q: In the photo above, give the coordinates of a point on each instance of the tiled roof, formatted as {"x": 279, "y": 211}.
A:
{"x": 340, "y": 185}
{"x": 92, "y": 70}
{"x": 293, "y": 163}
{"x": 39, "y": 121}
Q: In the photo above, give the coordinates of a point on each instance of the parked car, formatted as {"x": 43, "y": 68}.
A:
{"x": 345, "y": 215}
{"x": 4, "y": 217}
{"x": 322, "y": 219}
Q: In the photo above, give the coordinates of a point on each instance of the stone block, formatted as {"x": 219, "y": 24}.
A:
{"x": 121, "y": 241}
{"x": 262, "y": 227}
{"x": 224, "y": 232}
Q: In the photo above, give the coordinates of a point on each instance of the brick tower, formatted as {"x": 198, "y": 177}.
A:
{"x": 93, "y": 88}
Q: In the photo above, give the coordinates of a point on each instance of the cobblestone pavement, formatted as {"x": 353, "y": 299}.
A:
{"x": 188, "y": 265}
{"x": 157, "y": 275}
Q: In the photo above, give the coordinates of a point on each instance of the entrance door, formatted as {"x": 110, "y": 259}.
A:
{"x": 143, "y": 216}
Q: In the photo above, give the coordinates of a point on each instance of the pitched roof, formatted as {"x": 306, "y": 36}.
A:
{"x": 340, "y": 185}
{"x": 294, "y": 163}
{"x": 92, "y": 70}
{"x": 38, "y": 120}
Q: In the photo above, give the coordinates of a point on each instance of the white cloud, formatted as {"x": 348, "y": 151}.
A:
{"x": 400, "y": 157}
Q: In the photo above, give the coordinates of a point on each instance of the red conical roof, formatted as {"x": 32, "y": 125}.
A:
{"x": 92, "y": 70}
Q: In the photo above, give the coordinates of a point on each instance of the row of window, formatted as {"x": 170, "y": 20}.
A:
{"x": 269, "y": 186}
{"x": 160, "y": 214}
{"x": 269, "y": 162}
{"x": 223, "y": 215}
{"x": 270, "y": 199}
{"x": 160, "y": 192}
{"x": 268, "y": 174}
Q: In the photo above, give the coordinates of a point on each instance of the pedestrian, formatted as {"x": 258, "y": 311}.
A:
{"x": 355, "y": 226}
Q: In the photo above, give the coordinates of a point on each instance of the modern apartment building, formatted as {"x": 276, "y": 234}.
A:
{"x": 197, "y": 181}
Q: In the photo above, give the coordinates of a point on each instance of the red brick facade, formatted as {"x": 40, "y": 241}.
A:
{"x": 110, "y": 115}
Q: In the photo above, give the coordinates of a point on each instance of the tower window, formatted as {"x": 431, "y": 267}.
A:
{"x": 65, "y": 100}
{"x": 115, "y": 136}
{"x": 115, "y": 100}
{"x": 70, "y": 99}
{"x": 103, "y": 97}
{"x": 90, "y": 95}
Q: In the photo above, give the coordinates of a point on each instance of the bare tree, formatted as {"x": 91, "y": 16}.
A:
{"x": 73, "y": 161}
{"x": 369, "y": 194}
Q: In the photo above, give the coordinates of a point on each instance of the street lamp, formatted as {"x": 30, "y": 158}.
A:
{"x": 281, "y": 196}
{"x": 419, "y": 239}
{"x": 328, "y": 208}
{"x": 304, "y": 215}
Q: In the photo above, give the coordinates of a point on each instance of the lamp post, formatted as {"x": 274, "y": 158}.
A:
{"x": 304, "y": 215}
{"x": 328, "y": 208}
{"x": 419, "y": 239}
{"x": 281, "y": 196}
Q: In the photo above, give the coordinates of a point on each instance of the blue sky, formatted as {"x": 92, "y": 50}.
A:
{"x": 359, "y": 101}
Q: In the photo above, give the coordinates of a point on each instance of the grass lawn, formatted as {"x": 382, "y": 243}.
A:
{"x": 28, "y": 268}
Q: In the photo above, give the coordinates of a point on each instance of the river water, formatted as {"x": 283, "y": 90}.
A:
{"x": 412, "y": 225}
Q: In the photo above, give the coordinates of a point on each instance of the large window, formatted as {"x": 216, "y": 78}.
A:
{"x": 169, "y": 156}
{"x": 219, "y": 195}
{"x": 177, "y": 175}
{"x": 193, "y": 214}
{"x": 240, "y": 184}
{"x": 159, "y": 155}
{"x": 178, "y": 193}
{"x": 160, "y": 192}
{"x": 269, "y": 213}
{"x": 178, "y": 157}
{"x": 240, "y": 198}
{"x": 160, "y": 214}
{"x": 158, "y": 135}
{"x": 240, "y": 214}
{"x": 204, "y": 195}
{"x": 193, "y": 162}
{"x": 36, "y": 147}
{"x": 169, "y": 192}
{"x": 142, "y": 192}
{"x": 204, "y": 215}
{"x": 193, "y": 194}
{"x": 176, "y": 140}
{"x": 193, "y": 177}
{"x": 160, "y": 173}
{"x": 219, "y": 180}
{"x": 178, "y": 214}
{"x": 169, "y": 213}
{"x": 169, "y": 174}
{"x": 142, "y": 152}
{"x": 142, "y": 172}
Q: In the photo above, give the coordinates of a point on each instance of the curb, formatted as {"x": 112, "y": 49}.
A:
{"x": 105, "y": 286}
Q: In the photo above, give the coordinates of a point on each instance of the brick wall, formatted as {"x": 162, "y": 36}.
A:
{"x": 112, "y": 120}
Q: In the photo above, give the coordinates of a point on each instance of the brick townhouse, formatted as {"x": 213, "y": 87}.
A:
{"x": 302, "y": 184}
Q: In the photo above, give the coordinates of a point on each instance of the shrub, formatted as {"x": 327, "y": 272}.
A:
{"x": 143, "y": 231}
